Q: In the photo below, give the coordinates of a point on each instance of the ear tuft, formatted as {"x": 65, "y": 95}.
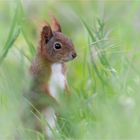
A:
{"x": 55, "y": 24}
{"x": 46, "y": 33}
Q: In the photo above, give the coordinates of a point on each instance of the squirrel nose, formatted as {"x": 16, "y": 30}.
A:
{"x": 74, "y": 55}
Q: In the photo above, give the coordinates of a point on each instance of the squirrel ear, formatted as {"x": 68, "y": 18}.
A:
{"x": 46, "y": 33}
{"x": 55, "y": 24}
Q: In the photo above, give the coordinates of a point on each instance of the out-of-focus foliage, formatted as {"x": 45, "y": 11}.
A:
{"x": 104, "y": 78}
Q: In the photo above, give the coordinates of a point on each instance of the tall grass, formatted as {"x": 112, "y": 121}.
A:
{"x": 104, "y": 79}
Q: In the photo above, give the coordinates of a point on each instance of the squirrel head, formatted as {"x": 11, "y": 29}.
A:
{"x": 54, "y": 45}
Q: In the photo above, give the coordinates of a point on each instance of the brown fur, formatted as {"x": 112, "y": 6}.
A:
{"x": 48, "y": 55}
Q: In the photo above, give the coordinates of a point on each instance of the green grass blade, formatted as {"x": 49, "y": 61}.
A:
{"x": 9, "y": 44}
{"x": 25, "y": 31}
{"x": 30, "y": 45}
{"x": 88, "y": 30}
{"x": 13, "y": 34}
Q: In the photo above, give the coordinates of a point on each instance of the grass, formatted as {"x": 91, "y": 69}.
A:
{"x": 104, "y": 79}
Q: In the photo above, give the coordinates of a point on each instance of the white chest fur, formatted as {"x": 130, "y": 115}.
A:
{"x": 57, "y": 80}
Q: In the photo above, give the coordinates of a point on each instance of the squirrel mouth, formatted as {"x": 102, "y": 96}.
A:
{"x": 68, "y": 58}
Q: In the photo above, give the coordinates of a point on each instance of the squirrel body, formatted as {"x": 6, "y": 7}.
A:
{"x": 57, "y": 79}
{"x": 48, "y": 69}
{"x": 49, "y": 77}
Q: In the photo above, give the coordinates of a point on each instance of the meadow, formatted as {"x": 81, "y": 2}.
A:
{"x": 104, "y": 78}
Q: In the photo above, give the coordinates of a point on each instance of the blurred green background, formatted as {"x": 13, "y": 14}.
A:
{"x": 104, "y": 78}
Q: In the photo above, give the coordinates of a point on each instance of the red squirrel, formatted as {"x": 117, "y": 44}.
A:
{"x": 48, "y": 69}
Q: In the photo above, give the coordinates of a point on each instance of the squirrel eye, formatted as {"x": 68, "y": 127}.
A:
{"x": 57, "y": 45}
